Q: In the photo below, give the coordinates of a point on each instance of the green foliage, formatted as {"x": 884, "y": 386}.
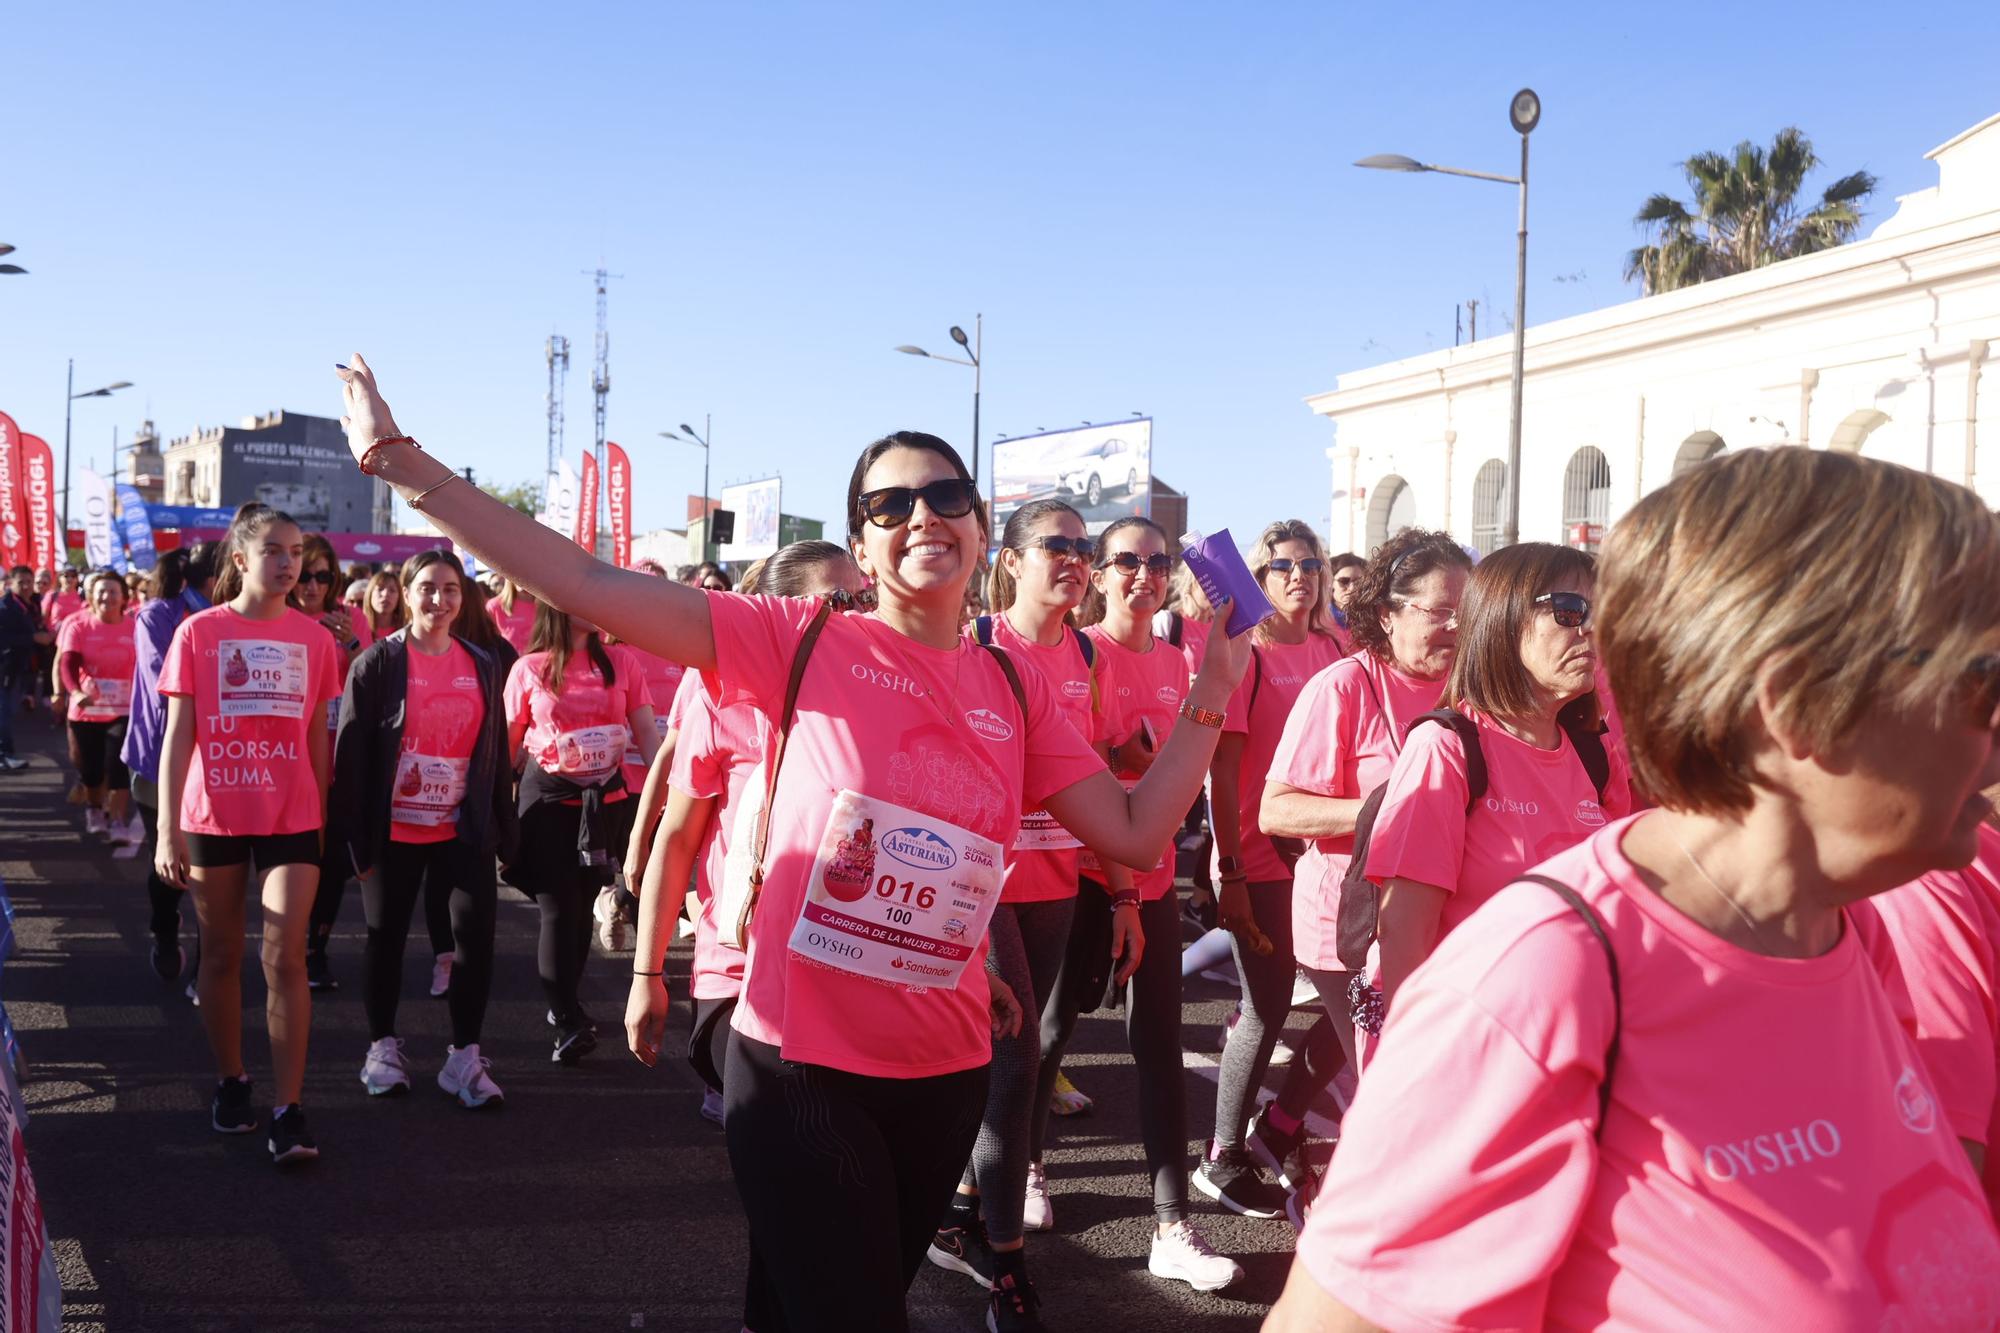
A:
{"x": 525, "y": 496}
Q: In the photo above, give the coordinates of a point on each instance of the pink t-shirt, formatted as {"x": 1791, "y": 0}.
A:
{"x": 663, "y": 678}
{"x": 256, "y": 686}
{"x": 60, "y": 606}
{"x": 1774, "y": 1155}
{"x": 1943, "y": 934}
{"x": 685, "y": 694}
{"x": 1337, "y": 742}
{"x": 109, "y": 656}
{"x": 1537, "y": 803}
{"x": 516, "y": 625}
{"x": 1131, "y": 688}
{"x": 934, "y": 730}
{"x": 441, "y": 720}
{"x": 1046, "y": 875}
{"x": 581, "y": 733}
{"x": 1258, "y": 709}
{"x": 718, "y": 752}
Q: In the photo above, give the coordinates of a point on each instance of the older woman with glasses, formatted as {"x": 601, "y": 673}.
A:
{"x": 1660, "y": 1086}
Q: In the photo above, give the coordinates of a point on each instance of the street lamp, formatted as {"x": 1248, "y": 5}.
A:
{"x": 1524, "y": 113}
{"x": 688, "y": 436}
{"x": 972, "y": 350}
{"x": 6, "y": 249}
{"x": 104, "y": 392}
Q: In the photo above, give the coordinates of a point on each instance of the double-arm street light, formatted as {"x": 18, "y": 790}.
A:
{"x": 6, "y": 249}
{"x": 104, "y": 392}
{"x": 971, "y": 350}
{"x": 1524, "y": 112}
{"x": 689, "y": 436}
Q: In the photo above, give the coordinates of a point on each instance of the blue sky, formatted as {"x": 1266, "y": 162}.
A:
{"x": 1152, "y": 204}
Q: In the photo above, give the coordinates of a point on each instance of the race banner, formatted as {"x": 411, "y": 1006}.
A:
{"x": 38, "y": 482}
{"x": 137, "y": 526}
{"x": 559, "y": 500}
{"x": 13, "y": 509}
{"x": 586, "y": 511}
{"x": 101, "y": 546}
{"x": 618, "y": 499}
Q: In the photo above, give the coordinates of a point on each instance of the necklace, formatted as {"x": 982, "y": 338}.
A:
{"x": 1709, "y": 880}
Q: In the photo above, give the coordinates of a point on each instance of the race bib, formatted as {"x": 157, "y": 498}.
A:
{"x": 895, "y": 895}
{"x": 1041, "y": 833}
{"x": 591, "y": 754}
{"x": 260, "y": 678}
{"x": 429, "y": 790}
{"x": 633, "y": 759}
{"x": 114, "y": 699}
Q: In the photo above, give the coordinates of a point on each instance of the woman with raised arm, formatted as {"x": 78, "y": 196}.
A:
{"x": 908, "y": 759}
{"x": 313, "y": 595}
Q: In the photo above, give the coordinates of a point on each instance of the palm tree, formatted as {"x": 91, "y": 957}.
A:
{"x": 1745, "y": 215}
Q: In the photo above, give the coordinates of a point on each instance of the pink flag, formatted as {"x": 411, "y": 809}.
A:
{"x": 618, "y": 499}
{"x": 38, "y": 484}
{"x": 586, "y": 509}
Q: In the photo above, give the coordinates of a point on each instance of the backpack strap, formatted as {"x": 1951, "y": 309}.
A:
{"x": 1375, "y": 697}
{"x": 982, "y": 630}
{"x": 762, "y": 842}
{"x": 1176, "y": 624}
{"x": 1083, "y": 645}
{"x": 1596, "y": 925}
{"x": 1256, "y": 679}
{"x": 1588, "y": 742}
{"x": 1468, "y": 735}
{"x": 1013, "y": 678}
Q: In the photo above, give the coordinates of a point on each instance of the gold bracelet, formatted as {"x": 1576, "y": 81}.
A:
{"x": 416, "y": 501}
{"x": 1203, "y": 716}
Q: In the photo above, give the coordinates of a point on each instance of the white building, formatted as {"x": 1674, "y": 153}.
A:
{"x": 1877, "y": 346}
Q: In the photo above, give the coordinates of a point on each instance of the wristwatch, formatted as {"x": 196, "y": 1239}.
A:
{"x": 1229, "y": 865}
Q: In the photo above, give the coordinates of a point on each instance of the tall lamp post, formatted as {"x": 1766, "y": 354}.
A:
{"x": 104, "y": 392}
{"x": 972, "y": 350}
{"x": 6, "y": 249}
{"x": 1524, "y": 113}
{"x": 688, "y": 436}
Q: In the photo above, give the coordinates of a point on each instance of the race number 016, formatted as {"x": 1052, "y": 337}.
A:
{"x": 909, "y": 891}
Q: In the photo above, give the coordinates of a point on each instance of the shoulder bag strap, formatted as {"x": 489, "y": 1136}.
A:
{"x": 1597, "y": 927}
{"x": 800, "y": 655}
{"x": 1389, "y": 722}
{"x": 1013, "y": 678}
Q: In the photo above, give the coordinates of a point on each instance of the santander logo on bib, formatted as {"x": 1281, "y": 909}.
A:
{"x": 919, "y": 847}
{"x": 989, "y": 724}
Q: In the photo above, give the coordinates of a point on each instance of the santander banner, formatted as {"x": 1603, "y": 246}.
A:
{"x": 13, "y": 509}
{"x": 38, "y": 481}
{"x": 586, "y": 509}
{"x": 618, "y": 499}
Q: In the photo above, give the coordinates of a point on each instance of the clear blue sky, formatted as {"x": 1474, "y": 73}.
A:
{"x": 1152, "y": 204}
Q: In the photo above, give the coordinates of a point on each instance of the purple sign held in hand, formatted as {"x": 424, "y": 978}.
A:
{"x": 1218, "y": 567}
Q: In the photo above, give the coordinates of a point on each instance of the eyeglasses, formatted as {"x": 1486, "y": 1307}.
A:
{"x": 1345, "y": 580}
{"x": 1978, "y": 685}
{"x": 1437, "y": 615}
{"x": 1312, "y": 564}
{"x": 1571, "y": 609}
{"x": 1067, "y": 548}
{"x": 325, "y": 576}
{"x": 1128, "y": 562}
{"x": 951, "y": 497}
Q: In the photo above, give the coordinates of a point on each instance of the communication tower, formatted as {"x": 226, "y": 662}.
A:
{"x": 558, "y": 357}
{"x": 600, "y": 384}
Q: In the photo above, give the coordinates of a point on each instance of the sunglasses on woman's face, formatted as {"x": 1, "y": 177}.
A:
{"x": 1159, "y": 566}
{"x": 324, "y": 577}
{"x": 1571, "y": 609}
{"x": 1312, "y": 564}
{"x": 1067, "y": 548}
{"x": 890, "y": 507}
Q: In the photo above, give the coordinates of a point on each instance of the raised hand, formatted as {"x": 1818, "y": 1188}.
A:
{"x": 364, "y": 415}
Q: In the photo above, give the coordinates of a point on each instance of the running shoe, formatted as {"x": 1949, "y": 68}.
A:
{"x": 193, "y": 993}
{"x": 290, "y": 1140}
{"x": 1066, "y": 1100}
{"x": 610, "y": 917}
{"x": 1304, "y": 993}
{"x": 441, "y": 974}
{"x": 1014, "y": 1307}
{"x": 464, "y": 1076}
{"x": 1038, "y": 1212}
{"x": 1282, "y": 1053}
{"x": 94, "y": 822}
{"x": 163, "y": 950}
{"x": 12, "y": 763}
{"x": 123, "y": 851}
{"x": 1299, "y": 1203}
{"x": 1182, "y": 1254}
{"x": 963, "y": 1249}
{"x": 1228, "y": 1176}
{"x": 574, "y": 1043}
{"x": 383, "y": 1072}
{"x": 128, "y": 832}
{"x": 319, "y": 972}
{"x": 231, "y": 1112}
{"x": 711, "y": 1106}
{"x": 1274, "y": 1150}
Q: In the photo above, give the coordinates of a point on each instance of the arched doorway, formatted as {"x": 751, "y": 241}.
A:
{"x": 1489, "y": 506}
{"x": 1697, "y": 449}
{"x": 1855, "y": 428}
{"x": 1391, "y": 508}
{"x": 1586, "y": 498}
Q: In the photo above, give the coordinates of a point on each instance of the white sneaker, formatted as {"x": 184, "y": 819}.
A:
{"x": 382, "y": 1072}
{"x": 611, "y": 930}
{"x": 1304, "y": 993}
{"x": 93, "y": 820}
{"x": 1282, "y": 1053}
{"x": 1037, "y": 1212}
{"x": 1181, "y": 1254}
{"x": 123, "y": 851}
{"x": 464, "y": 1076}
{"x": 441, "y": 974}
{"x": 126, "y": 832}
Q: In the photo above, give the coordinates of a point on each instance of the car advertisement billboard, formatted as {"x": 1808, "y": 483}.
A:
{"x": 1104, "y": 472}
{"x": 755, "y": 504}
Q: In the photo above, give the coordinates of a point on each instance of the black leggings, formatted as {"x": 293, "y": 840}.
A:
{"x": 163, "y": 898}
{"x": 708, "y": 1041}
{"x": 1153, "y": 1034}
{"x": 96, "y": 749}
{"x": 843, "y": 1178}
{"x": 564, "y": 890}
{"x": 389, "y": 896}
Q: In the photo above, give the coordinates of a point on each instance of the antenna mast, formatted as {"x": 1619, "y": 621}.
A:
{"x": 557, "y": 351}
{"x": 600, "y": 383}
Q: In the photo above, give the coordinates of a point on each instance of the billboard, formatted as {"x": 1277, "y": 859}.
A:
{"x": 755, "y": 504}
{"x": 1104, "y": 472}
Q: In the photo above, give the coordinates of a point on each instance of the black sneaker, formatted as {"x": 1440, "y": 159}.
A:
{"x": 231, "y": 1112}
{"x": 1229, "y": 1177}
{"x": 290, "y": 1140}
{"x": 319, "y": 972}
{"x": 1014, "y": 1308}
{"x": 169, "y": 959}
{"x": 574, "y": 1044}
{"x": 963, "y": 1249}
{"x": 1276, "y": 1152}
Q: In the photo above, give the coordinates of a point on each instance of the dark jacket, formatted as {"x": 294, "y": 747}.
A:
{"x": 370, "y": 738}
{"x": 20, "y": 622}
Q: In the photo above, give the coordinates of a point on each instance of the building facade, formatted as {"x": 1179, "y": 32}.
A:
{"x": 288, "y": 460}
{"x": 1878, "y": 347}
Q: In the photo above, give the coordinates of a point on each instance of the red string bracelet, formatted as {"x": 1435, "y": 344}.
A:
{"x": 367, "y": 463}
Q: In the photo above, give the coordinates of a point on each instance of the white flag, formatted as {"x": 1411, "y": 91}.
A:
{"x": 100, "y": 539}
{"x": 559, "y": 499}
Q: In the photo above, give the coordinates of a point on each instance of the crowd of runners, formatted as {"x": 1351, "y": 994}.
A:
{"x": 1682, "y": 1011}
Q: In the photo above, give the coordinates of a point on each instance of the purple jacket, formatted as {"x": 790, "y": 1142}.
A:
{"x": 152, "y": 633}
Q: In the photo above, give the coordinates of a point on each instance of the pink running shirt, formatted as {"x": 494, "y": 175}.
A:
{"x": 1131, "y": 687}
{"x": 931, "y": 729}
{"x": 663, "y": 679}
{"x": 256, "y": 685}
{"x": 718, "y": 752}
{"x": 1258, "y": 710}
{"x": 109, "y": 659}
{"x": 517, "y": 625}
{"x": 580, "y": 734}
{"x": 1338, "y": 743}
{"x": 60, "y": 606}
{"x": 441, "y": 721}
{"x": 1774, "y": 1157}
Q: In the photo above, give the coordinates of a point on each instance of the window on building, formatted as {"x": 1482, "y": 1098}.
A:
{"x": 1586, "y": 498}
{"x": 1391, "y": 508}
{"x": 1489, "y": 506}
{"x": 1697, "y": 449}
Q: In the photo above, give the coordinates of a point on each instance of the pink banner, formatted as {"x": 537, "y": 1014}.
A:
{"x": 618, "y": 499}
{"x": 586, "y": 506}
{"x": 38, "y": 483}
{"x": 13, "y": 504}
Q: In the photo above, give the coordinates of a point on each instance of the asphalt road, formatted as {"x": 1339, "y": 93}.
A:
{"x": 595, "y": 1198}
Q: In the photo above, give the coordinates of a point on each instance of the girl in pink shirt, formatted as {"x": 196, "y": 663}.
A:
{"x": 513, "y": 610}
{"x": 243, "y": 777}
{"x": 907, "y": 761}
{"x": 95, "y": 656}
{"x": 1253, "y": 876}
{"x": 313, "y": 596}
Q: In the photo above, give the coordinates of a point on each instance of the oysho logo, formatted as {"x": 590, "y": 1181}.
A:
{"x": 990, "y": 724}
{"x": 1500, "y": 806}
{"x": 886, "y": 680}
{"x": 1167, "y": 694}
{"x": 1914, "y": 1103}
{"x": 919, "y": 847}
{"x": 1763, "y": 1154}
{"x": 1590, "y": 814}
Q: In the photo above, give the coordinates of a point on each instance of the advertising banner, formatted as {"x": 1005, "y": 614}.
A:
{"x": 13, "y": 506}
{"x": 38, "y": 483}
{"x": 559, "y": 500}
{"x": 586, "y": 510}
{"x": 189, "y": 516}
{"x": 137, "y": 526}
{"x": 618, "y": 500}
{"x": 756, "y": 507}
{"x": 1103, "y": 472}
{"x": 101, "y": 546}
{"x": 374, "y": 548}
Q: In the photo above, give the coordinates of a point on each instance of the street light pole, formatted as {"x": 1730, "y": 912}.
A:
{"x": 68, "y": 409}
{"x": 972, "y": 347}
{"x": 708, "y": 428}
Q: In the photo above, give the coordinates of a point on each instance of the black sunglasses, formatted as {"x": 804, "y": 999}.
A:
{"x": 1130, "y": 562}
{"x": 325, "y": 576}
{"x": 1074, "y": 548}
{"x": 1571, "y": 609}
{"x": 953, "y": 497}
{"x": 1312, "y": 564}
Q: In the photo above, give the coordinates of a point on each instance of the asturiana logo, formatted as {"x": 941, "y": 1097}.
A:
{"x": 266, "y": 654}
{"x": 1076, "y": 689}
{"x": 1590, "y": 814}
{"x": 990, "y": 724}
{"x": 1167, "y": 694}
{"x": 919, "y": 847}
